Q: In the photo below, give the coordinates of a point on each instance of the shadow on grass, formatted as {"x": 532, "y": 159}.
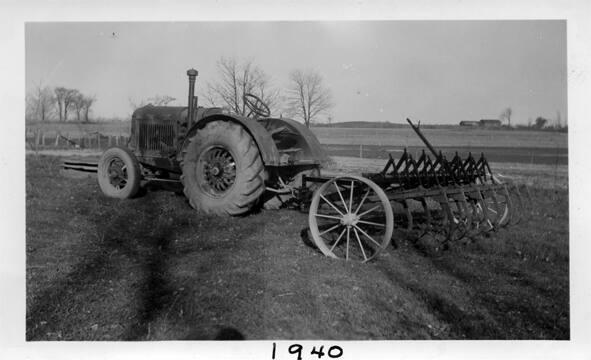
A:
{"x": 132, "y": 237}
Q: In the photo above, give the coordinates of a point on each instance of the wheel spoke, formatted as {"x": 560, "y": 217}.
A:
{"x": 329, "y": 203}
{"x": 348, "y": 237}
{"x": 367, "y": 235}
{"x": 328, "y": 216}
{"x": 341, "y": 196}
{"x": 368, "y": 211}
{"x": 360, "y": 245}
{"x": 351, "y": 196}
{"x": 338, "y": 239}
{"x": 328, "y": 230}
{"x": 362, "y": 201}
{"x": 370, "y": 223}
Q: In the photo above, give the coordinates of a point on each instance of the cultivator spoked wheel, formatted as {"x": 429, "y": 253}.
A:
{"x": 519, "y": 205}
{"x": 351, "y": 218}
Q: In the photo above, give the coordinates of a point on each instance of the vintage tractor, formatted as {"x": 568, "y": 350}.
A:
{"x": 227, "y": 163}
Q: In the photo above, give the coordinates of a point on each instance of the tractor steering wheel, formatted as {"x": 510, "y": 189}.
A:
{"x": 256, "y": 106}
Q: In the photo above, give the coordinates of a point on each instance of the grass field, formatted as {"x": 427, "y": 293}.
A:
{"x": 499, "y": 146}
{"x": 443, "y": 137}
{"x": 396, "y": 137}
{"x": 152, "y": 268}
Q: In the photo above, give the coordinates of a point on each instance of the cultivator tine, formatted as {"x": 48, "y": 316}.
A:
{"x": 428, "y": 217}
{"x": 465, "y": 223}
{"x": 448, "y": 224}
{"x": 389, "y": 164}
{"x": 408, "y": 212}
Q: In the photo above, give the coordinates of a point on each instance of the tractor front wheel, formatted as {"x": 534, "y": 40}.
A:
{"x": 119, "y": 173}
{"x": 222, "y": 170}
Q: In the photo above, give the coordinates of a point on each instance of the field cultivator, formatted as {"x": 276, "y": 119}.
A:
{"x": 354, "y": 217}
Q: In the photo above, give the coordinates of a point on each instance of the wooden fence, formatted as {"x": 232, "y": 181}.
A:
{"x": 38, "y": 139}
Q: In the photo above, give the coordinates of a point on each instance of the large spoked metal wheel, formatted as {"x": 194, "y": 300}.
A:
{"x": 119, "y": 173}
{"x": 351, "y": 218}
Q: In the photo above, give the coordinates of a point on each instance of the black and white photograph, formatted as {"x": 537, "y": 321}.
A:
{"x": 308, "y": 187}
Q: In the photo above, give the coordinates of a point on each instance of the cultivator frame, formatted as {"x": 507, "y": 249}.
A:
{"x": 447, "y": 200}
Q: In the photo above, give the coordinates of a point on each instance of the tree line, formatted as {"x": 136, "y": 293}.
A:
{"x": 538, "y": 124}
{"x": 44, "y": 103}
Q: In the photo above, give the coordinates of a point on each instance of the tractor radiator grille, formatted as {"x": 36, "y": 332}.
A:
{"x": 156, "y": 137}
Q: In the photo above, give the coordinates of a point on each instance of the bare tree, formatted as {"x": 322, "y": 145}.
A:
{"x": 78, "y": 104}
{"x": 156, "y": 100}
{"x": 161, "y": 100}
{"x": 39, "y": 104}
{"x": 307, "y": 97}
{"x": 237, "y": 79}
{"x": 64, "y": 98}
{"x": 87, "y": 102}
{"x": 506, "y": 115}
{"x": 540, "y": 122}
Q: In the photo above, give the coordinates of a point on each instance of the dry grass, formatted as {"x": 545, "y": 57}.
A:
{"x": 152, "y": 268}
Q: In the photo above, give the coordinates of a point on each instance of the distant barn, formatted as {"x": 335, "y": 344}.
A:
{"x": 469, "y": 123}
{"x": 490, "y": 123}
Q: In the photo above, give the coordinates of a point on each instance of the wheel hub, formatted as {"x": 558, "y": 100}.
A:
{"x": 117, "y": 173}
{"x": 218, "y": 170}
{"x": 349, "y": 219}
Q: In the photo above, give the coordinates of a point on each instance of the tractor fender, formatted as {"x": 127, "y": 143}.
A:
{"x": 290, "y": 134}
{"x": 269, "y": 153}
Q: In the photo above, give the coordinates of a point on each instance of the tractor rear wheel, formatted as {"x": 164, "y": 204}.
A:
{"x": 118, "y": 173}
{"x": 222, "y": 170}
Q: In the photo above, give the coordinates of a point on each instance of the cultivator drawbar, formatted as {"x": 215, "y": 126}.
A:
{"x": 355, "y": 217}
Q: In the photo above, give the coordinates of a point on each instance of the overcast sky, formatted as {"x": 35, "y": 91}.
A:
{"x": 435, "y": 71}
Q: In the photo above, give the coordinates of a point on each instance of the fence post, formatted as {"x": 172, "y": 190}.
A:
{"x": 43, "y": 139}
{"x": 98, "y": 141}
{"x": 57, "y": 140}
{"x": 37, "y": 137}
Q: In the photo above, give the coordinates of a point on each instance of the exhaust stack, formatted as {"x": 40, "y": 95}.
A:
{"x": 192, "y": 74}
